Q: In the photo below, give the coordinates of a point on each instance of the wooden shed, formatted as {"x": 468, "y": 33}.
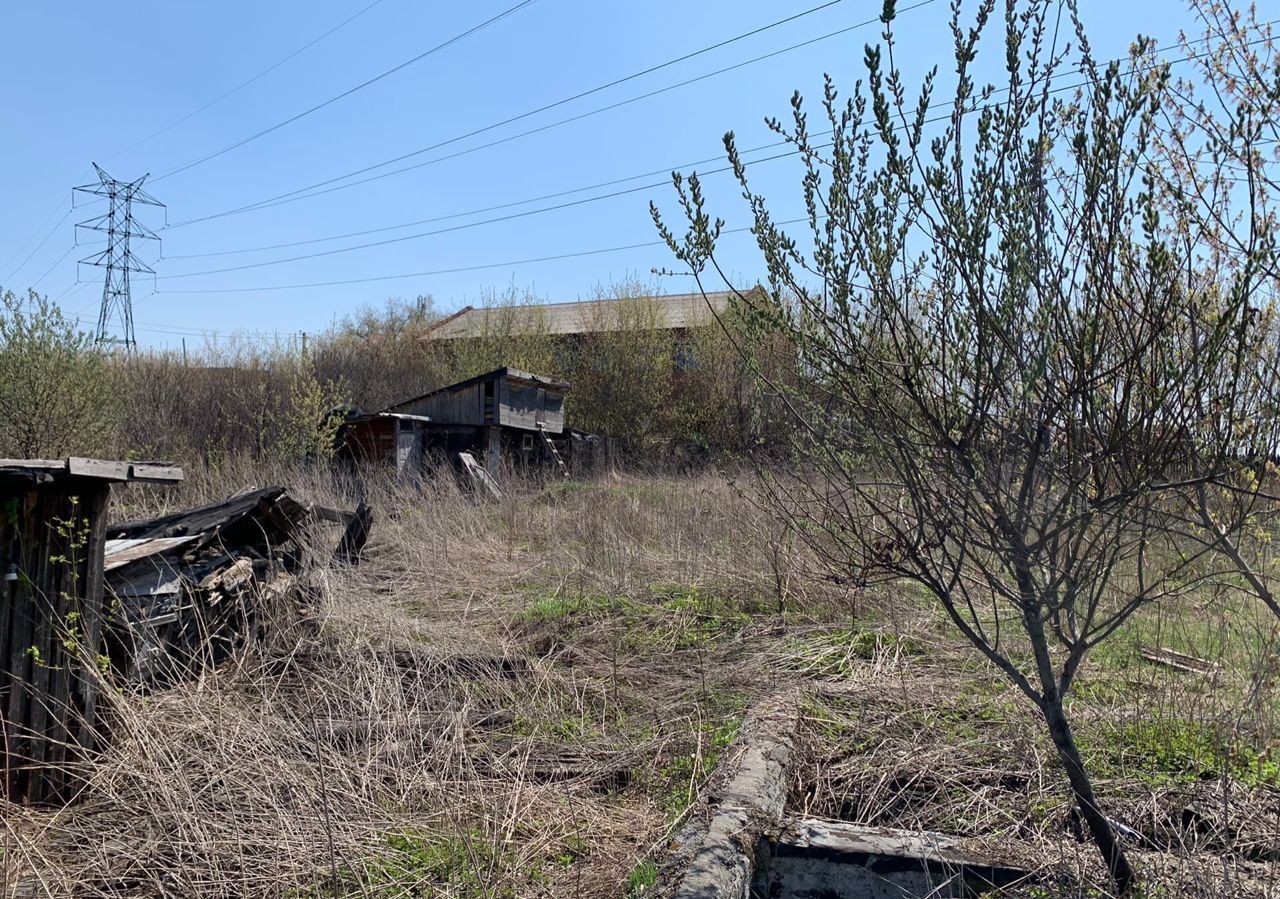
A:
{"x": 504, "y": 412}
{"x": 505, "y": 397}
{"x": 384, "y": 436}
{"x": 52, "y": 613}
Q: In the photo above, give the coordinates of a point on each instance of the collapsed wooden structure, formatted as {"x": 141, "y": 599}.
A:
{"x": 86, "y": 606}
{"x": 188, "y": 587}
{"x": 53, "y": 615}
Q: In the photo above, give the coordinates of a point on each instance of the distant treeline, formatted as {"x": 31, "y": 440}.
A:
{"x": 651, "y": 389}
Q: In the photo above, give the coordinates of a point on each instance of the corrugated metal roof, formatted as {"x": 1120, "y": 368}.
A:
{"x": 674, "y": 311}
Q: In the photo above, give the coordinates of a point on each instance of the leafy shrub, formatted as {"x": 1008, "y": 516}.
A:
{"x": 58, "y": 393}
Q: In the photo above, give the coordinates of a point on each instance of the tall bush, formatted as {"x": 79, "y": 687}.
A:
{"x": 58, "y": 393}
{"x": 621, "y": 367}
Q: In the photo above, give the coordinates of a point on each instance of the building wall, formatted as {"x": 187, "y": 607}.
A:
{"x": 506, "y": 402}
{"x": 464, "y": 406}
{"x": 523, "y": 405}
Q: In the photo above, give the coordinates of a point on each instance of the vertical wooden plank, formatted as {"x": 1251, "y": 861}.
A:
{"x": 93, "y": 599}
{"x": 19, "y": 664}
{"x": 10, "y": 540}
{"x": 501, "y": 402}
{"x": 406, "y": 442}
{"x": 493, "y": 457}
{"x": 49, "y": 704}
{"x": 47, "y": 653}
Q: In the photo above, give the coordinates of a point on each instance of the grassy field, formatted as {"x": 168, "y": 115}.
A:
{"x": 531, "y": 698}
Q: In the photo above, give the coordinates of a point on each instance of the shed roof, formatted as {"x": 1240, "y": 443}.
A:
{"x": 672, "y": 311}
{"x": 513, "y": 374}
{"x": 362, "y": 417}
{"x": 100, "y": 469}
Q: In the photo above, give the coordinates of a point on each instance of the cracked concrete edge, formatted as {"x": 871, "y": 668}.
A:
{"x": 751, "y": 804}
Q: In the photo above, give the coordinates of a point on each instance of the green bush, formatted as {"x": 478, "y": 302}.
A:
{"x": 58, "y": 393}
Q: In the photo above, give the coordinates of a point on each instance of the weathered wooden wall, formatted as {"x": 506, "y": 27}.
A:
{"x": 524, "y": 405}
{"x": 464, "y": 406}
{"x": 51, "y": 632}
{"x": 372, "y": 441}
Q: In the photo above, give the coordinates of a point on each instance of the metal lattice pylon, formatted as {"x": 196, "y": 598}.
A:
{"x": 118, "y": 258}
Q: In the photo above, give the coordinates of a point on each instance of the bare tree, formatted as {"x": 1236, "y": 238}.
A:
{"x": 1220, "y": 148}
{"x": 1011, "y": 389}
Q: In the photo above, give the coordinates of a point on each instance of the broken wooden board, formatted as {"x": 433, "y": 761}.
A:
{"x": 119, "y": 553}
{"x": 1179, "y": 661}
{"x": 479, "y": 475}
{"x": 354, "y": 536}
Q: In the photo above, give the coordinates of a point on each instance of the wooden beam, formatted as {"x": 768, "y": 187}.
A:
{"x": 150, "y": 472}
{"x": 98, "y": 468}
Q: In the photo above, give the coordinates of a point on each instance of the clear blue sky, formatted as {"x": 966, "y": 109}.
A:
{"x": 81, "y": 82}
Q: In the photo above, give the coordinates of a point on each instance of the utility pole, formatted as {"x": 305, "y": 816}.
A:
{"x": 118, "y": 258}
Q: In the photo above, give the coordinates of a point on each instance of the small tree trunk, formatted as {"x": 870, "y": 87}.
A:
{"x": 1050, "y": 702}
{"x": 1104, "y": 835}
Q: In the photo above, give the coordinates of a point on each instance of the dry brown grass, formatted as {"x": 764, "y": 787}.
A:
{"x": 411, "y": 730}
{"x": 936, "y": 742}
{"x": 526, "y": 698}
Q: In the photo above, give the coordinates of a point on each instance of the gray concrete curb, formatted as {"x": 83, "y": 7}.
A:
{"x": 750, "y": 806}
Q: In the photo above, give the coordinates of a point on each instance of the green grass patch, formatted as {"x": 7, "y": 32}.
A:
{"x": 420, "y": 863}
{"x": 641, "y": 878}
{"x": 1175, "y": 751}
{"x": 684, "y": 775}
{"x": 685, "y": 617}
{"x": 559, "y": 607}
{"x": 573, "y": 729}
{"x": 1228, "y": 630}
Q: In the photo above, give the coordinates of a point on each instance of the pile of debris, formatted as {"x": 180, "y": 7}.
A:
{"x": 185, "y": 589}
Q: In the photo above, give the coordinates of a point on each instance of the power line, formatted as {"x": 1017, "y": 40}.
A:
{"x": 49, "y": 270}
{"x": 473, "y": 268}
{"x": 310, "y": 191}
{"x": 553, "y": 105}
{"x": 74, "y": 288}
{"x": 361, "y": 86}
{"x": 562, "y": 256}
{"x": 52, "y": 231}
{"x": 463, "y": 227}
{"x": 295, "y": 196}
{"x": 242, "y": 85}
{"x": 26, "y": 243}
{"x": 465, "y": 268}
{"x": 541, "y": 210}
{"x": 664, "y": 171}
{"x": 250, "y": 334}
{"x": 56, "y": 226}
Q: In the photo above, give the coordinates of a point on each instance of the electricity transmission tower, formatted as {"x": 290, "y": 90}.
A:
{"x": 118, "y": 258}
